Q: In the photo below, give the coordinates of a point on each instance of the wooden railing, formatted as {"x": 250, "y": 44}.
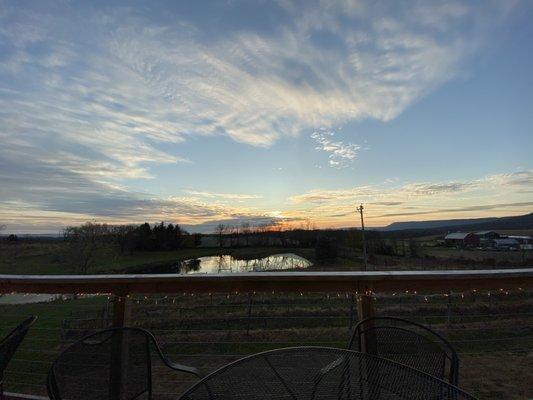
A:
{"x": 377, "y": 281}
{"x": 360, "y": 283}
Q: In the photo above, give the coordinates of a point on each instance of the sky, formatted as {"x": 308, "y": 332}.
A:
{"x": 287, "y": 112}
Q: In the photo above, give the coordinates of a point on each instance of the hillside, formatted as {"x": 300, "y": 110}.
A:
{"x": 408, "y": 225}
{"x": 443, "y": 226}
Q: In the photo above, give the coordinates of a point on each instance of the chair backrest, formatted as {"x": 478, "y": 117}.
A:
{"x": 408, "y": 343}
{"x": 12, "y": 341}
{"x": 111, "y": 364}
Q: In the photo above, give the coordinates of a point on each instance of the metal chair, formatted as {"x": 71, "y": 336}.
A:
{"x": 112, "y": 364}
{"x": 320, "y": 373}
{"x": 408, "y": 343}
{"x": 9, "y": 345}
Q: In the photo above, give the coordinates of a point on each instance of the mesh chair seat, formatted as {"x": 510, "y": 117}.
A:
{"x": 408, "y": 343}
{"x": 10, "y": 344}
{"x": 321, "y": 373}
{"x": 111, "y": 364}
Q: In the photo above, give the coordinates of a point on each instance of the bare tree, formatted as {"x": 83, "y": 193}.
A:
{"x": 245, "y": 230}
{"x": 234, "y": 232}
{"x": 83, "y": 242}
{"x": 220, "y": 229}
{"x": 122, "y": 235}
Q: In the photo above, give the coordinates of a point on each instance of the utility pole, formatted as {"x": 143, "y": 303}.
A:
{"x": 360, "y": 210}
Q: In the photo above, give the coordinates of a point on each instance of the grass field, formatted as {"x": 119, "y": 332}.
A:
{"x": 53, "y": 258}
{"x": 514, "y": 257}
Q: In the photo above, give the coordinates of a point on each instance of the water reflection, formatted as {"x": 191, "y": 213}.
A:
{"x": 225, "y": 264}
{"x": 19, "y": 298}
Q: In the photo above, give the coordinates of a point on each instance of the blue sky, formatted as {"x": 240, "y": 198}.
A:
{"x": 284, "y": 111}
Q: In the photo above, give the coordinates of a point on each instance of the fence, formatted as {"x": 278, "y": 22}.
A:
{"x": 207, "y": 321}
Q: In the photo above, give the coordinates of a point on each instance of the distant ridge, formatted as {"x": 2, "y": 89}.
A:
{"x": 442, "y": 226}
{"x": 400, "y": 226}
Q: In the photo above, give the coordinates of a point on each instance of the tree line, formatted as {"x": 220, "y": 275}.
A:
{"x": 84, "y": 240}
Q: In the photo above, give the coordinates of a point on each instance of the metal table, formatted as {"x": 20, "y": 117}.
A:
{"x": 321, "y": 373}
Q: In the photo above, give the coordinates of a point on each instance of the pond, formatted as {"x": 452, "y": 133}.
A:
{"x": 18, "y": 298}
{"x": 227, "y": 264}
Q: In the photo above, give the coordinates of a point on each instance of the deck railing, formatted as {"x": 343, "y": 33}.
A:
{"x": 207, "y": 320}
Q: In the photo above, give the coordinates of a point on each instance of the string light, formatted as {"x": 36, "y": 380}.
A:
{"x": 368, "y": 292}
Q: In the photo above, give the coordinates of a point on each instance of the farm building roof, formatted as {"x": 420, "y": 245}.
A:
{"x": 506, "y": 242}
{"x": 457, "y": 235}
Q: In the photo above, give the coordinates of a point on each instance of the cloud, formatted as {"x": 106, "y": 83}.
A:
{"x": 395, "y": 196}
{"x": 324, "y": 196}
{"x": 250, "y": 220}
{"x": 226, "y": 196}
{"x": 388, "y": 203}
{"x": 483, "y": 207}
{"x": 114, "y": 72}
{"x": 45, "y": 193}
{"x": 341, "y": 154}
{"x": 429, "y": 189}
{"x": 518, "y": 179}
{"x": 500, "y": 193}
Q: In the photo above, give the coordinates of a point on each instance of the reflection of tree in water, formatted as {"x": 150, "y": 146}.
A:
{"x": 229, "y": 264}
{"x": 187, "y": 266}
{"x": 223, "y": 264}
{"x": 277, "y": 263}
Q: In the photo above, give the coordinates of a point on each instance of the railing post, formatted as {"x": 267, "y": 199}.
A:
{"x": 365, "y": 309}
{"x": 121, "y": 310}
{"x": 119, "y": 351}
{"x": 449, "y": 311}
{"x": 365, "y": 306}
{"x": 250, "y": 305}
{"x": 352, "y": 310}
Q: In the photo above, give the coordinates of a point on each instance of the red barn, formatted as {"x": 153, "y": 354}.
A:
{"x": 461, "y": 239}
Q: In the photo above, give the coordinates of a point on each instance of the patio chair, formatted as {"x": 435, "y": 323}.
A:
{"x": 9, "y": 345}
{"x": 113, "y": 364}
{"x": 408, "y": 343}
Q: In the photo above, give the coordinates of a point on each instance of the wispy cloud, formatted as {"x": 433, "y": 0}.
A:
{"x": 500, "y": 193}
{"x": 227, "y": 196}
{"x": 341, "y": 154}
{"x": 483, "y": 207}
